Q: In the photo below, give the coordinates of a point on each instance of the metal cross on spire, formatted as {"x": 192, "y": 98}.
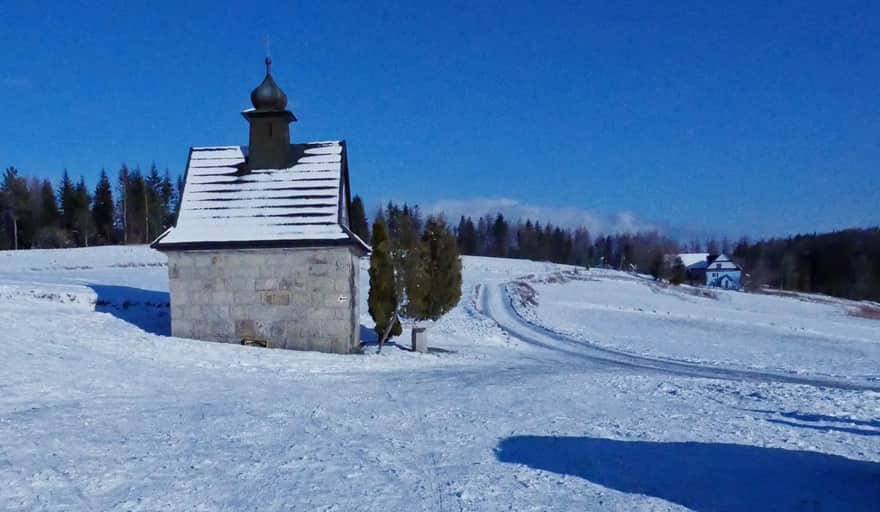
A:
{"x": 268, "y": 57}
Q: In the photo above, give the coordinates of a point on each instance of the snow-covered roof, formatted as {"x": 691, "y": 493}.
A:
{"x": 225, "y": 204}
{"x": 692, "y": 258}
{"x": 701, "y": 260}
{"x": 723, "y": 262}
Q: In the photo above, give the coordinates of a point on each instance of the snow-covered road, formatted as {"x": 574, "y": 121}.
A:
{"x": 496, "y": 303}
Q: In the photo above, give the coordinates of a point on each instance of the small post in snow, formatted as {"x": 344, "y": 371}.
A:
{"x": 420, "y": 339}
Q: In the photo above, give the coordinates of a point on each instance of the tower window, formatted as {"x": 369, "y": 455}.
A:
{"x": 269, "y": 125}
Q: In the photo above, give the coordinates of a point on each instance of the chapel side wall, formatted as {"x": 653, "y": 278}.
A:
{"x": 295, "y": 298}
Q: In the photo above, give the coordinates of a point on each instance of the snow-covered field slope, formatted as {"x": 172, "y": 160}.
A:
{"x": 803, "y": 334}
{"x": 101, "y": 410}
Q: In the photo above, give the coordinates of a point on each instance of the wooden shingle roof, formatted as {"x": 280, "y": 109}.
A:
{"x": 226, "y": 205}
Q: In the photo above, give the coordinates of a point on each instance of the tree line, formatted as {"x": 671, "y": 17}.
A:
{"x": 843, "y": 263}
{"x": 497, "y": 236}
{"x": 134, "y": 209}
{"x": 137, "y": 206}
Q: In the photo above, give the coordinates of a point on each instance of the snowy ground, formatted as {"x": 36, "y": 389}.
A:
{"x": 803, "y": 334}
{"x": 531, "y": 408}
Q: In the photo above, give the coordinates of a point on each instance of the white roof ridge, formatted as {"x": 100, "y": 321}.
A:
{"x": 224, "y": 205}
{"x": 209, "y": 148}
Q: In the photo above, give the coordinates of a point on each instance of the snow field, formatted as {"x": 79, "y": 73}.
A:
{"x": 97, "y": 412}
{"x": 804, "y": 335}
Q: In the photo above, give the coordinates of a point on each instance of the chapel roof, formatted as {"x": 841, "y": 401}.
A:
{"x": 226, "y": 205}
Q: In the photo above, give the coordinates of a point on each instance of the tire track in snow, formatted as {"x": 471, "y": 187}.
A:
{"x": 496, "y": 304}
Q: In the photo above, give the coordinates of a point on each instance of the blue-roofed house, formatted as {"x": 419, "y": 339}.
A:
{"x": 714, "y": 270}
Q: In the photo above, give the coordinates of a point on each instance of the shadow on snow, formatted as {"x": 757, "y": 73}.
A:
{"x": 146, "y": 309}
{"x": 369, "y": 338}
{"x": 827, "y": 428}
{"x": 149, "y": 311}
{"x": 706, "y": 476}
{"x": 823, "y": 422}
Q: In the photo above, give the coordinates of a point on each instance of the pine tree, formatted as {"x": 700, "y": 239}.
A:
{"x": 379, "y": 215}
{"x": 382, "y": 299}
{"x": 679, "y": 272}
{"x": 392, "y": 216}
{"x": 581, "y": 247}
{"x": 67, "y": 198}
{"x": 409, "y": 226}
{"x": 542, "y": 249}
{"x": 136, "y": 199}
{"x": 500, "y": 243}
{"x": 358, "y": 219}
{"x": 178, "y": 197}
{"x": 435, "y": 287}
{"x": 123, "y": 180}
{"x": 626, "y": 257}
{"x": 102, "y": 210}
{"x": 48, "y": 206}
{"x": 166, "y": 196}
{"x": 154, "y": 214}
{"x": 608, "y": 251}
{"x": 17, "y": 210}
{"x": 82, "y": 214}
{"x": 713, "y": 247}
{"x": 658, "y": 266}
{"x": 483, "y": 243}
{"x": 467, "y": 236}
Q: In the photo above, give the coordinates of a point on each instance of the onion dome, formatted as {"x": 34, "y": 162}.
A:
{"x": 268, "y": 96}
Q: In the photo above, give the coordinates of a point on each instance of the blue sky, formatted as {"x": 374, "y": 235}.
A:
{"x": 726, "y": 120}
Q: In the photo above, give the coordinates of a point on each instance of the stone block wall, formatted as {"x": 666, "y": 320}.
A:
{"x": 295, "y": 298}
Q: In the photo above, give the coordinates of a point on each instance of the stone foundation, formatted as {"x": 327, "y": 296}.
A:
{"x": 296, "y": 298}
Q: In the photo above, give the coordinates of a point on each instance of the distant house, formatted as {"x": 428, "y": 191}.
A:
{"x": 715, "y": 270}
{"x": 261, "y": 251}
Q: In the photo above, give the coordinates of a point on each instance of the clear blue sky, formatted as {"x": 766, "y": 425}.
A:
{"x": 758, "y": 119}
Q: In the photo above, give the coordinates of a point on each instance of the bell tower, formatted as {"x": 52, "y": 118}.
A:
{"x": 269, "y": 142}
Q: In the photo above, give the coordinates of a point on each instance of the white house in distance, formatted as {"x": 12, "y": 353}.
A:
{"x": 261, "y": 251}
{"x": 714, "y": 270}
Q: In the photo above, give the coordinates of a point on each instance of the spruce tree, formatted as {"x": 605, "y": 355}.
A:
{"x": 178, "y": 197}
{"x": 358, "y": 219}
{"x": 17, "y": 212}
{"x": 679, "y": 272}
{"x": 166, "y": 197}
{"x": 382, "y": 299}
{"x": 500, "y": 242}
{"x": 581, "y": 247}
{"x": 392, "y": 216}
{"x": 137, "y": 198}
{"x": 122, "y": 183}
{"x": 658, "y": 266}
{"x": 483, "y": 244}
{"x": 48, "y": 205}
{"x": 608, "y": 251}
{"x": 67, "y": 199}
{"x": 102, "y": 210}
{"x": 82, "y": 214}
{"x": 153, "y": 208}
{"x": 406, "y": 237}
{"x": 435, "y": 287}
{"x": 467, "y": 236}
